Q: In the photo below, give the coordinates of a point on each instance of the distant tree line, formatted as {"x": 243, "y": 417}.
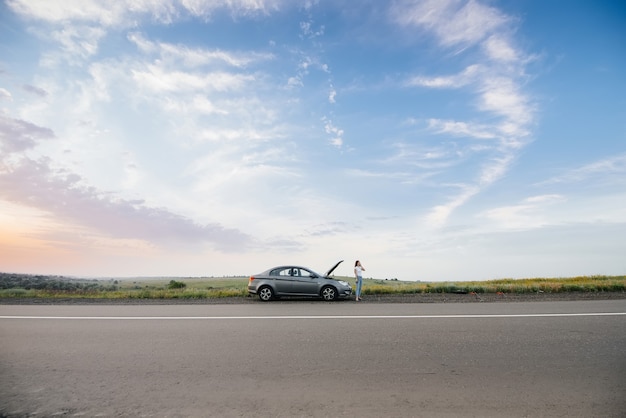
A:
{"x": 43, "y": 282}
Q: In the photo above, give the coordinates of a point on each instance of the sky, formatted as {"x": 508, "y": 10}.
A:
{"x": 434, "y": 140}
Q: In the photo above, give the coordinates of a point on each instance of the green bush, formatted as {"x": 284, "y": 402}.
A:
{"x": 176, "y": 285}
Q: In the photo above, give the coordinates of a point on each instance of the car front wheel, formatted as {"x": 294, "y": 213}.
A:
{"x": 266, "y": 293}
{"x": 329, "y": 293}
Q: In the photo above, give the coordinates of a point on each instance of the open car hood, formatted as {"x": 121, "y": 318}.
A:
{"x": 328, "y": 273}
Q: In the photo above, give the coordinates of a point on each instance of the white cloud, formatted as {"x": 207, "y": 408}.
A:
{"x": 5, "y": 94}
{"x": 494, "y": 169}
{"x": 502, "y": 95}
{"x": 38, "y": 91}
{"x": 157, "y": 79}
{"x": 103, "y": 13}
{"x": 225, "y": 135}
{"x": 466, "y": 77}
{"x": 498, "y": 48}
{"x": 198, "y": 105}
{"x": 122, "y": 12}
{"x": 404, "y": 177}
{"x": 332, "y": 95}
{"x": 204, "y": 8}
{"x": 438, "y": 215}
{"x": 463, "y": 129}
{"x": 526, "y": 215}
{"x": 497, "y": 94}
{"x": 79, "y": 41}
{"x": 309, "y": 32}
{"x": 454, "y": 22}
{"x": 610, "y": 166}
{"x": 181, "y": 55}
{"x": 337, "y": 133}
{"x": 18, "y": 135}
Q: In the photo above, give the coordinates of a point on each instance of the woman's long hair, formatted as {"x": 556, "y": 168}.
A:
{"x": 356, "y": 263}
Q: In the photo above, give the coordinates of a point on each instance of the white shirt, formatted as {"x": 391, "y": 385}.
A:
{"x": 358, "y": 270}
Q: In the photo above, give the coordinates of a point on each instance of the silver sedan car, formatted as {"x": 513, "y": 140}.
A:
{"x": 298, "y": 281}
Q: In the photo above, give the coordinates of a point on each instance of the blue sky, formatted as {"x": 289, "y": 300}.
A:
{"x": 433, "y": 140}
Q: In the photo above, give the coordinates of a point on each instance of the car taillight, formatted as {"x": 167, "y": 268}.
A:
{"x": 251, "y": 278}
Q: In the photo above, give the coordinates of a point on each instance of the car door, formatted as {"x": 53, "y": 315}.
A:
{"x": 283, "y": 280}
{"x": 304, "y": 282}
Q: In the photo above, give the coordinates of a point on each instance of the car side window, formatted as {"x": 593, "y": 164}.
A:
{"x": 306, "y": 273}
{"x": 292, "y": 272}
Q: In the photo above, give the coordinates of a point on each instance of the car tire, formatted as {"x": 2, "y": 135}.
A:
{"x": 266, "y": 293}
{"x": 329, "y": 293}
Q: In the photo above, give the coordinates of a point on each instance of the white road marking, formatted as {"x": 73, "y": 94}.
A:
{"x": 178, "y": 318}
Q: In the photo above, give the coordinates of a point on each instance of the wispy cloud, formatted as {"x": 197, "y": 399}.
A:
{"x": 464, "y": 78}
{"x": 332, "y": 95}
{"x": 177, "y": 55}
{"x": 611, "y": 166}
{"x": 121, "y": 13}
{"x": 462, "y": 129}
{"x": 526, "y": 215}
{"x": 214, "y": 108}
{"x": 495, "y": 80}
{"x": 157, "y": 79}
{"x": 335, "y": 132}
{"x": 402, "y": 177}
{"x": 38, "y": 91}
{"x": 18, "y": 135}
{"x": 454, "y": 22}
{"x": 501, "y": 95}
{"x": 495, "y": 168}
{"x": 498, "y": 48}
{"x": 438, "y": 216}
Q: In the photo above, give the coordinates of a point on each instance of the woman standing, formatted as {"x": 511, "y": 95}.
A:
{"x": 358, "y": 273}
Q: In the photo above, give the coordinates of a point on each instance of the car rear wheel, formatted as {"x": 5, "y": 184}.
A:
{"x": 266, "y": 293}
{"x": 329, "y": 293}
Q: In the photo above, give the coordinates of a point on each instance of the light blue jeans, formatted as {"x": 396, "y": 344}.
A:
{"x": 359, "y": 283}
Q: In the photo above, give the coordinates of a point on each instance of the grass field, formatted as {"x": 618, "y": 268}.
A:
{"x": 205, "y": 288}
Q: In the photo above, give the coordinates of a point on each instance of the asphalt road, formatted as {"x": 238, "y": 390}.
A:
{"x": 306, "y": 358}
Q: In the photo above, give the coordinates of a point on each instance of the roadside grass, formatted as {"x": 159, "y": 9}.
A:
{"x": 213, "y": 288}
{"x": 148, "y": 293}
{"x": 536, "y": 285}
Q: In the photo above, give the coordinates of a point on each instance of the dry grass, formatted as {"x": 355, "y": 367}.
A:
{"x": 209, "y": 288}
{"x": 547, "y": 285}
